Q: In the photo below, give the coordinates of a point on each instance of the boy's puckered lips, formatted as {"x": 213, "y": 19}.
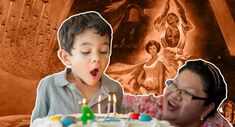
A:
{"x": 94, "y": 72}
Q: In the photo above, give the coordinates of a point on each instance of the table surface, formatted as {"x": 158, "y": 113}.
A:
{"x": 15, "y": 121}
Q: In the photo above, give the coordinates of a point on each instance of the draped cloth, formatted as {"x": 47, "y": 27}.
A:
{"x": 126, "y": 75}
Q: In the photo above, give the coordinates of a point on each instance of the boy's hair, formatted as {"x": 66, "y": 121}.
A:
{"x": 77, "y": 24}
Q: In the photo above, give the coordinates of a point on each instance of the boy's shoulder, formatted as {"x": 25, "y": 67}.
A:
{"x": 56, "y": 79}
{"x": 110, "y": 83}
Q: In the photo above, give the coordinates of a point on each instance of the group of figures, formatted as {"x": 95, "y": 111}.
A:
{"x": 166, "y": 54}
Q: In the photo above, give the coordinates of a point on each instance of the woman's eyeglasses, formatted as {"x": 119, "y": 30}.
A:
{"x": 184, "y": 94}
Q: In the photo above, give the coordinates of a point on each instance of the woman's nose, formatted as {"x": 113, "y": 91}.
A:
{"x": 177, "y": 95}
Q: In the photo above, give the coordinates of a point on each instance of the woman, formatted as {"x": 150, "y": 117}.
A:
{"x": 151, "y": 77}
{"x": 191, "y": 99}
{"x": 195, "y": 95}
{"x": 144, "y": 77}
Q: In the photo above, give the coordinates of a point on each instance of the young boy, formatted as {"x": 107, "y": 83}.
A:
{"x": 85, "y": 49}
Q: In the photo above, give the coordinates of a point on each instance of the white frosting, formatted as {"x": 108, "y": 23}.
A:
{"x": 45, "y": 122}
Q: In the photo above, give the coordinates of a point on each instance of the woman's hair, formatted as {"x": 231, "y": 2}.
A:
{"x": 213, "y": 81}
{"x": 150, "y": 43}
{"x": 78, "y": 24}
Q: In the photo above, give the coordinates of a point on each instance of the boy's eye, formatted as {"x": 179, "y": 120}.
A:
{"x": 85, "y": 52}
{"x": 104, "y": 52}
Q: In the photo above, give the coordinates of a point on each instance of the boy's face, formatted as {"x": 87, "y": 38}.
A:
{"x": 89, "y": 56}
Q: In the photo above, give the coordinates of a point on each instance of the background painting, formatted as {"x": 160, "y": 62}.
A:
{"x": 28, "y": 44}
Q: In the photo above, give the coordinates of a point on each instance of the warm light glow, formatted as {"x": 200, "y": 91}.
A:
{"x": 83, "y": 101}
{"x": 109, "y": 98}
{"x": 99, "y": 99}
{"x": 114, "y": 98}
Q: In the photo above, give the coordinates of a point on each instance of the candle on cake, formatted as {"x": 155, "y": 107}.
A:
{"x": 80, "y": 104}
{"x": 84, "y": 101}
{"x": 99, "y": 105}
{"x": 87, "y": 113}
{"x": 109, "y": 105}
{"x": 114, "y": 105}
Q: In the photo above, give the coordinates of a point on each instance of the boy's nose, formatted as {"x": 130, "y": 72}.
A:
{"x": 95, "y": 58}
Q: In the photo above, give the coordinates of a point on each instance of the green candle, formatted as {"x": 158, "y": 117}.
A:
{"x": 87, "y": 114}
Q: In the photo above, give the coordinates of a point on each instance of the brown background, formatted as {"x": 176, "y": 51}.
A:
{"x": 28, "y": 42}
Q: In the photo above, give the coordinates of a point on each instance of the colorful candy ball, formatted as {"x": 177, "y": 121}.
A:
{"x": 134, "y": 116}
{"x": 66, "y": 121}
{"x": 145, "y": 117}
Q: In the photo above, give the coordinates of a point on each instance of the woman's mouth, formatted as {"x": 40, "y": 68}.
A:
{"x": 172, "y": 106}
{"x": 94, "y": 72}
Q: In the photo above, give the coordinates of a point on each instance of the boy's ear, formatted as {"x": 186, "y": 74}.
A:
{"x": 64, "y": 57}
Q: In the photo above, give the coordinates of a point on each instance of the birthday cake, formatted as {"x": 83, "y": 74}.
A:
{"x": 101, "y": 120}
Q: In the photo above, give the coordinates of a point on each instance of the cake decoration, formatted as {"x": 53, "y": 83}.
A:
{"x": 145, "y": 117}
{"x": 87, "y": 113}
{"x": 134, "y": 116}
{"x": 66, "y": 121}
{"x": 88, "y": 119}
{"x": 55, "y": 118}
{"x": 102, "y": 120}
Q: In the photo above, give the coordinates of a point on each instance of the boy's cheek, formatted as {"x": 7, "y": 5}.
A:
{"x": 106, "y": 59}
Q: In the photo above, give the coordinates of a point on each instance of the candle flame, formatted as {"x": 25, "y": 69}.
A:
{"x": 109, "y": 99}
{"x": 99, "y": 99}
{"x": 114, "y": 98}
{"x": 83, "y": 101}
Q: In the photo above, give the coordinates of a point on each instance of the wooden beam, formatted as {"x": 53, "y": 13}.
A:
{"x": 225, "y": 22}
